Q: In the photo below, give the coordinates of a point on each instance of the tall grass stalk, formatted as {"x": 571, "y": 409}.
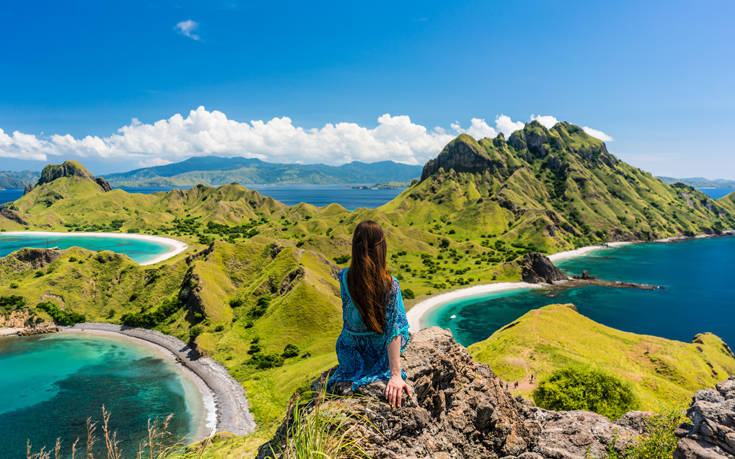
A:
{"x": 157, "y": 444}
{"x": 329, "y": 431}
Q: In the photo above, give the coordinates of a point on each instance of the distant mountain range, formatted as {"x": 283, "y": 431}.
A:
{"x": 215, "y": 171}
{"x": 700, "y": 182}
{"x": 17, "y": 179}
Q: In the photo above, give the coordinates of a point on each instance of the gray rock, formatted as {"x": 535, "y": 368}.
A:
{"x": 711, "y": 433}
{"x": 459, "y": 409}
{"x": 537, "y": 268}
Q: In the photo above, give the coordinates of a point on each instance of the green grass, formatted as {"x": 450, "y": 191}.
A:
{"x": 663, "y": 373}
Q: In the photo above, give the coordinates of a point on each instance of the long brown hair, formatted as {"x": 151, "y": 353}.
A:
{"x": 367, "y": 279}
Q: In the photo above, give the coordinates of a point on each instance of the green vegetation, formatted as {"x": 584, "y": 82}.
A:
{"x": 327, "y": 431}
{"x": 60, "y": 317}
{"x": 657, "y": 441}
{"x": 11, "y": 303}
{"x": 585, "y": 388}
{"x": 662, "y": 373}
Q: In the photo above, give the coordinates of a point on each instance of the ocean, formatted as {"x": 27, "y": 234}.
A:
{"x": 51, "y": 384}
{"x": 318, "y": 195}
{"x": 699, "y": 294}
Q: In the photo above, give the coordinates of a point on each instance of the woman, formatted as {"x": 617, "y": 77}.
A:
{"x": 375, "y": 330}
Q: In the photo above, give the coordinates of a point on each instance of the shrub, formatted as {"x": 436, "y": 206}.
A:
{"x": 261, "y": 306}
{"x": 265, "y": 361}
{"x": 14, "y": 285}
{"x": 408, "y": 294}
{"x": 291, "y": 350}
{"x": 342, "y": 259}
{"x": 12, "y": 303}
{"x": 151, "y": 319}
{"x": 61, "y": 317}
{"x": 585, "y": 388}
{"x": 219, "y": 328}
{"x": 194, "y": 331}
{"x": 658, "y": 439}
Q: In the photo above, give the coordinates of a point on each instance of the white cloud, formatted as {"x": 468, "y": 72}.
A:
{"x": 597, "y": 134}
{"x": 188, "y": 28}
{"x": 22, "y": 146}
{"x": 202, "y": 132}
{"x": 546, "y": 121}
{"x": 507, "y": 126}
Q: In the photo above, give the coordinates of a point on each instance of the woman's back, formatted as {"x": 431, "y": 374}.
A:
{"x": 362, "y": 353}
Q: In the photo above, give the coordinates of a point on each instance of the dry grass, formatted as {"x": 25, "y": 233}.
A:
{"x": 157, "y": 444}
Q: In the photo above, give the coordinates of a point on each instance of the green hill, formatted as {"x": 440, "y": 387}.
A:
{"x": 662, "y": 372}
{"x": 213, "y": 171}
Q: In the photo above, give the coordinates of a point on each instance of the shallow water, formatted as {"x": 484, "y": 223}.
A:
{"x": 699, "y": 293}
{"x": 50, "y": 385}
{"x": 138, "y": 249}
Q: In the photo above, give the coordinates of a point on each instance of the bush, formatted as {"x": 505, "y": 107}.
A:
{"x": 151, "y": 319}
{"x": 658, "y": 439}
{"x": 61, "y": 317}
{"x": 408, "y": 294}
{"x": 194, "y": 331}
{"x": 265, "y": 361}
{"x": 342, "y": 259}
{"x": 12, "y": 303}
{"x": 585, "y": 388}
{"x": 261, "y": 306}
{"x": 291, "y": 350}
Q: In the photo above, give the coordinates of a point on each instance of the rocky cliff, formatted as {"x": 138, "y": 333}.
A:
{"x": 711, "y": 434}
{"x": 536, "y": 268}
{"x": 460, "y": 408}
{"x": 68, "y": 169}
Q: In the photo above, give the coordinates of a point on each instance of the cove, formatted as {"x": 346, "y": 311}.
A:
{"x": 51, "y": 384}
{"x": 140, "y": 248}
{"x": 699, "y": 294}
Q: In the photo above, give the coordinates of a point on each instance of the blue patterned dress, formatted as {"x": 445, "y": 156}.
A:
{"x": 362, "y": 353}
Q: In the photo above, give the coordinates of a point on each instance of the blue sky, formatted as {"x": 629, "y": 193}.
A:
{"x": 337, "y": 81}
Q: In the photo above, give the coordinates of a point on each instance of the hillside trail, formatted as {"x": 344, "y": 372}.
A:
{"x": 525, "y": 384}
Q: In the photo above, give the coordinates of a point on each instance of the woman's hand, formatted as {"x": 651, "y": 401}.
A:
{"x": 394, "y": 390}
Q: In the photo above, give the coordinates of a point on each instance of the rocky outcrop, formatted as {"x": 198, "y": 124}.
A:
{"x": 462, "y": 154}
{"x": 28, "y": 258}
{"x": 12, "y": 215}
{"x": 711, "y": 434}
{"x": 69, "y": 169}
{"x": 460, "y": 409}
{"x": 537, "y": 268}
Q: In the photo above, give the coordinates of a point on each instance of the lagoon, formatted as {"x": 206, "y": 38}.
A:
{"x": 142, "y": 249}
{"x": 699, "y": 294}
{"x": 51, "y": 384}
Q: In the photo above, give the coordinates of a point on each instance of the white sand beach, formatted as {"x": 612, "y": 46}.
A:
{"x": 418, "y": 311}
{"x": 416, "y": 314}
{"x": 176, "y": 247}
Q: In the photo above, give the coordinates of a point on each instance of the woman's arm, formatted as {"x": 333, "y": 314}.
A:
{"x": 396, "y": 384}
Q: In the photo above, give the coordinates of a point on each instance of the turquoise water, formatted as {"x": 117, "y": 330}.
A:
{"x": 50, "y": 385}
{"x": 137, "y": 249}
{"x": 699, "y": 294}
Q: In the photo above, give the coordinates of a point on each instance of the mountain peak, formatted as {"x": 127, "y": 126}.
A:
{"x": 69, "y": 168}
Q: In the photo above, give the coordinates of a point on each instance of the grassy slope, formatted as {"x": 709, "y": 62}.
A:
{"x": 450, "y": 230}
{"x": 663, "y": 372}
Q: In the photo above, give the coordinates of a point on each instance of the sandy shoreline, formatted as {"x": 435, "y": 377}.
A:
{"x": 226, "y": 406}
{"x": 176, "y": 247}
{"x": 416, "y": 314}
